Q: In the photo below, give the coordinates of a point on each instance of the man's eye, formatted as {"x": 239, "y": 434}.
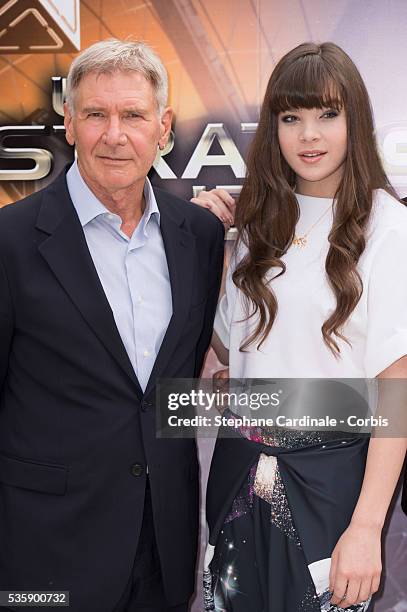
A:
{"x": 132, "y": 115}
{"x": 95, "y": 114}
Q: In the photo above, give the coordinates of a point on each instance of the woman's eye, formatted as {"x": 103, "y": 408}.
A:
{"x": 330, "y": 114}
{"x": 289, "y": 118}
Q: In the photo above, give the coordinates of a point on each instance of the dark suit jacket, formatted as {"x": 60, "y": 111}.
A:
{"x": 73, "y": 418}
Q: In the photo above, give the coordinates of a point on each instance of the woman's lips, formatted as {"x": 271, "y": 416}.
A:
{"x": 311, "y": 157}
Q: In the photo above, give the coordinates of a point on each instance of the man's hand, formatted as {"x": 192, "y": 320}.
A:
{"x": 220, "y": 203}
{"x": 356, "y": 565}
{"x": 220, "y": 383}
{"x": 221, "y": 375}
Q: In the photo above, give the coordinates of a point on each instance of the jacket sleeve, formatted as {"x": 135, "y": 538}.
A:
{"x": 6, "y": 323}
{"x": 207, "y": 330}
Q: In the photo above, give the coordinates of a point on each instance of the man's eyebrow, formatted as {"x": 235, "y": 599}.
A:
{"x": 137, "y": 107}
{"x": 127, "y": 109}
{"x": 92, "y": 109}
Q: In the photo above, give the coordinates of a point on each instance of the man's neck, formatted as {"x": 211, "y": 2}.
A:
{"x": 129, "y": 204}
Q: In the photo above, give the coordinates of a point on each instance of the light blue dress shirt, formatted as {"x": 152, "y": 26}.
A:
{"x": 133, "y": 271}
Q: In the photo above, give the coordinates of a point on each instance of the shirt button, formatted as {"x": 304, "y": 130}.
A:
{"x": 110, "y": 216}
{"x": 146, "y": 353}
{"x": 136, "y": 469}
{"x": 139, "y": 299}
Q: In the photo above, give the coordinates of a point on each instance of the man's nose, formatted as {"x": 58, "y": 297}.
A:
{"x": 114, "y": 134}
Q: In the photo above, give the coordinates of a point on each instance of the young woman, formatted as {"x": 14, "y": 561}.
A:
{"x": 315, "y": 289}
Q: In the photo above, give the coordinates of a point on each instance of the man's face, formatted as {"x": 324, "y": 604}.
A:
{"x": 116, "y": 129}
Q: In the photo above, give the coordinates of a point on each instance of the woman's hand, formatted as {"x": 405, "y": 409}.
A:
{"x": 356, "y": 565}
{"x": 220, "y": 203}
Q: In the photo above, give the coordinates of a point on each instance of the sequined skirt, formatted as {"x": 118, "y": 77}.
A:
{"x": 257, "y": 563}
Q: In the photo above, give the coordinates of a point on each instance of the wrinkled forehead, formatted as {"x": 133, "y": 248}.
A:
{"x": 115, "y": 85}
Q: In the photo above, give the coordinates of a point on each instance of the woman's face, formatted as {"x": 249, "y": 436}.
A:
{"x": 314, "y": 144}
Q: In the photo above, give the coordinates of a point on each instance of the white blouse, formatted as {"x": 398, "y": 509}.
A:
{"x": 294, "y": 348}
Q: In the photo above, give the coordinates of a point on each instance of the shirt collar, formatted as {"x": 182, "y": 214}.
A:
{"x": 88, "y": 206}
{"x": 151, "y": 203}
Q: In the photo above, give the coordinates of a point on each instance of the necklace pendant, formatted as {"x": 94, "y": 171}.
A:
{"x": 300, "y": 241}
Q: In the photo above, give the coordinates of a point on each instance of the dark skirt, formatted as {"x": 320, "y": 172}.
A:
{"x": 265, "y": 556}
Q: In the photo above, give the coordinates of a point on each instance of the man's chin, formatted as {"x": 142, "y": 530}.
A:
{"x": 114, "y": 185}
{"x": 115, "y": 177}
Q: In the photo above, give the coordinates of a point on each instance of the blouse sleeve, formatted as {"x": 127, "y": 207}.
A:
{"x": 387, "y": 303}
{"x": 226, "y": 306}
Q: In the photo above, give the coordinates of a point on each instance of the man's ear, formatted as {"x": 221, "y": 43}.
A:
{"x": 68, "y": 123}
{"x": 165, "y": 126}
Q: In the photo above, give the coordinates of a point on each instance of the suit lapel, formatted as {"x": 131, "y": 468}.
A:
{"x": 179, "y": 244}
{"x": 67, "y": 254}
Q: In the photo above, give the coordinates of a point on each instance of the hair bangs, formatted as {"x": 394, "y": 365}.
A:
{"x": 307, "y": 83}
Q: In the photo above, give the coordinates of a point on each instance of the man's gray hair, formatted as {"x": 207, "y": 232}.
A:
{"x": 112, "y": 55}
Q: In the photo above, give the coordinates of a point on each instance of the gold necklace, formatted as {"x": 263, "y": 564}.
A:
{"x": 301, "y": 241}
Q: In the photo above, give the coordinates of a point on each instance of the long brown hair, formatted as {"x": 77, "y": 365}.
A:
{"x": 309, "y": 76}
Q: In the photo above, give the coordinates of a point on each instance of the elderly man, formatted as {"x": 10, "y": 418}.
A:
{"x": 106, "y": 285}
